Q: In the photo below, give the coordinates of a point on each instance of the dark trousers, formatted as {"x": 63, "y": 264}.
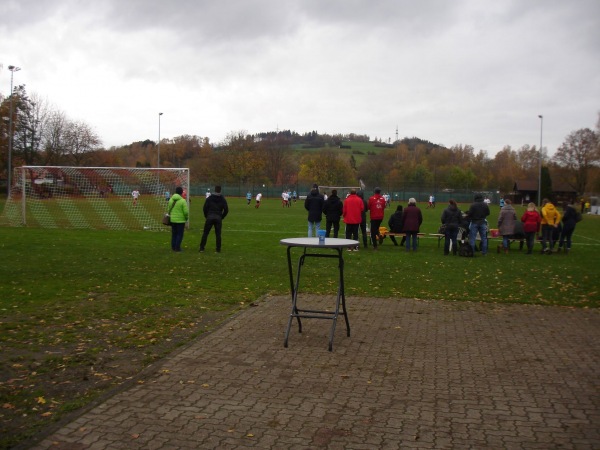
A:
{"x": 402, "y": 241}
{"x": 375, "y": 224}
{"x": 450, "y": 236}
{"x": 177, "y": 230}
{"x": 352, "y": 231}
{"x": 566, "y": 235}
{"x": 363, "y": 230}
{"x": 336, "y": 227}
{"x": 530, "y": 240}
{"x": 212, "y": 222}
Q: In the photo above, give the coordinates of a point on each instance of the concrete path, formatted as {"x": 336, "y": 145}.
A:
{"x": 413, "y": 374}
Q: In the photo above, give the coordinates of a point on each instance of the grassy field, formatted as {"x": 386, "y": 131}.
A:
{"x": 82, "y": 311}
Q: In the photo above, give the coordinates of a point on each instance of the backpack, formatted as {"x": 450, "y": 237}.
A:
{"x": 578, "y": 217}
{"x": 465, "y": 249}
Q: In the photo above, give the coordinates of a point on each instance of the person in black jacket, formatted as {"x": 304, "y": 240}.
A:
{"x": 452, "y": 218}
{"x": 569, "y": 220}
{"x": 215, "y": 210}
{"x": 477, "y": 215}
{"x": 314, "y": 205}
{"x": 395, "y": 225}
{"x": 332, "y": 208}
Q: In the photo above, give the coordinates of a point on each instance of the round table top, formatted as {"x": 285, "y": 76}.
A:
{"x": 314, "y": 242}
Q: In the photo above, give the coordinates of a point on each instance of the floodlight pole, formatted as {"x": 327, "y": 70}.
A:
{"x": 540, "y": 162}
{"x": 12, "y": 69}
{"x": 158, "y": 159}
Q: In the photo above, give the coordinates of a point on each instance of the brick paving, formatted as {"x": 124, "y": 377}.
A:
{"x": 413, "y": 374}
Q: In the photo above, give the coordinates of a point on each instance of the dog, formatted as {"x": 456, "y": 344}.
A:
{"x": 465, "y": 249}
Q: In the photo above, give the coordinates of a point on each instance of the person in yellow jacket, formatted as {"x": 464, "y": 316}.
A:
{"x": 550, "y": 221}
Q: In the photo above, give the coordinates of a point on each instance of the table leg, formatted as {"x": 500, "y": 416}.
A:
{"x": 294, "y": 289}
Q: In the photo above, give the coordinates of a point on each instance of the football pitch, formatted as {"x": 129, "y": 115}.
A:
{"x": 84, "y": 310}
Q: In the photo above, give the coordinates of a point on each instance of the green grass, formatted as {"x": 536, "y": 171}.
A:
{"x": 90, "y": 309}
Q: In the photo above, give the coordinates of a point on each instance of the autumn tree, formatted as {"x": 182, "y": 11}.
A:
{"x": 326, "y": 168}
{"x": 577, "y": 156}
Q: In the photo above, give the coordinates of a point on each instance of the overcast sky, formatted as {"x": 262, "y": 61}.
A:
{"x": 475, "y": 72}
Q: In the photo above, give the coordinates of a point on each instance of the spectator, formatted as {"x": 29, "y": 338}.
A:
{"x": 314, "y": 205}
{"x": 395, "y": 225}
{"x": 550, "y": 220}
{"x": 569, "y": 221}
{"x": 531, "y": 225}
{"x": 477, "y": 214}
{"x": 178, "y": 210}
{"x": 506, "y": 224}
{"x": 376, "y": 206}
{"x": 333, "y": 209}
{"x": 352, "y": 211}
{"x": 451, "y": 218}
{"x": 363, "y": 223}
{"x": 215, "y": 209}
{"x": 412, "y": 218}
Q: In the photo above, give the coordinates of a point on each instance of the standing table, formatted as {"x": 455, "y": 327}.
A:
{"x": 310, "y": 247}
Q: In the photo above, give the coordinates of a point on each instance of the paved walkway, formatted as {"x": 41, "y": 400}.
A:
{"x": 413, "y": 374}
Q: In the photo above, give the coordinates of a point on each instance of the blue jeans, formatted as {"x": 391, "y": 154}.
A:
{"x": 317, "y": 226}
{"x": 482, "y": 229}
{"x": 411, "y": 236}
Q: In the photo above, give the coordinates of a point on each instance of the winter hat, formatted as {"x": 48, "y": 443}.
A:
{"x": 412, "y": 201}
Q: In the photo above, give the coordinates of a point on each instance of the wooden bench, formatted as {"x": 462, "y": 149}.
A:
{"x": 400, "y": 235}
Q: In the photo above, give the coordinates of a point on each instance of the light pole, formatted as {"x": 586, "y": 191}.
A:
{"x": 540, "y": 163}
{"x": 12, "y": 69}
{"x": 158, "y": 160}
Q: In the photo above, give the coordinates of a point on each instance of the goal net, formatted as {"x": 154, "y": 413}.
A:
{"x": 116, "y": 198}
{"x": 342, "y": 191}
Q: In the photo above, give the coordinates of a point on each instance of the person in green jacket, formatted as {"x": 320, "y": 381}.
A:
{"x": 179, "y": 215}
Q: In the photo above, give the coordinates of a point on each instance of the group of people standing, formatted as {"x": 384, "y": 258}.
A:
{"x": 547, "y": 221}
{"x": 215, "y": 209}
{"x": 353, "y": 210}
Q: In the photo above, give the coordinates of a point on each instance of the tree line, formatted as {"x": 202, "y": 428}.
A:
{"x": 46, "y": 136}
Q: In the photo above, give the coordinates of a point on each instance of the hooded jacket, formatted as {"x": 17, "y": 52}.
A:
{"x": 314, "y": 205}
{"x": 215, "y": 207}
{"x": 352, "y": 210}
{"x": 333, "y": 208}
{"x": 479, "y": 210}
{"x": 531, "y": 221}
{"x": 506, "y": 220}
{"x": 179, "y": 212}
{"x": 452, "y": 217}
{"x": 550, "y": 215}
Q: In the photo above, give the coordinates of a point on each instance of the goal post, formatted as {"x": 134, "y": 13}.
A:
{"x": 115, "y": 198}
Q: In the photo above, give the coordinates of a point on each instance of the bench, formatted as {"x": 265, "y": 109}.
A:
{"x": 400, "y": 235}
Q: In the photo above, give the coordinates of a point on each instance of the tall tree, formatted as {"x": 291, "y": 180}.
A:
{"x": 577, "y": 156}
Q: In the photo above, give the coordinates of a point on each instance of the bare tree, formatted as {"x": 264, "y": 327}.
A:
{"x": 80, "y": 140}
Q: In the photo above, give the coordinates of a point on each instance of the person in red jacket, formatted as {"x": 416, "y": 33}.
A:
{"x": 352, "y": 211}
{"x": 531, "y": 225}
{"x": 376, "y": 206}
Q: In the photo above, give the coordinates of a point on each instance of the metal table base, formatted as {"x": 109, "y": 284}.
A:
{"x": 310, "y": 245}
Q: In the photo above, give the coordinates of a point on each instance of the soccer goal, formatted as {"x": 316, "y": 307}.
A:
{"x": 342, "y": 191}
{"x": 116, "y": 198}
